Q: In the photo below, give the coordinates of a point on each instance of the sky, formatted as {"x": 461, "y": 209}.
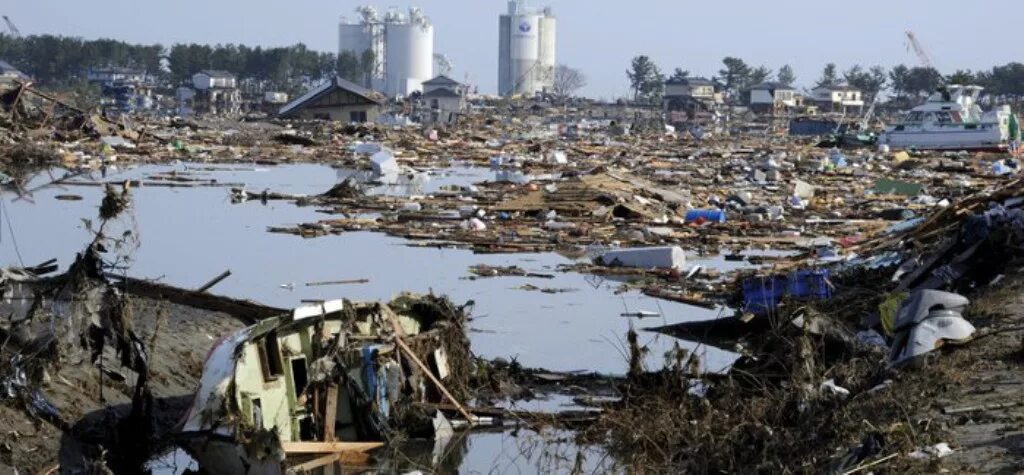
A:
{"x": 596, "y": 36}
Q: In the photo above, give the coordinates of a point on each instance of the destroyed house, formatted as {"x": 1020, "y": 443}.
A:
{"x": 336, "y": 374}
{"x": 689, "y": 98}
{"x": 772, "y": 98}
{"x": 336, "y": 100}
{"x": 115, "y": 75}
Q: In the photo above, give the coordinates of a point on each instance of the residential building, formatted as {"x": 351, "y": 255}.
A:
{"x": 444, "y": 93}
{"x": 443, "y": 99}
{"x": 337, "y": 100}
{"x": 840, "y": 98}
{"x": 214, "y": 79}
{"x": 689, "y": 98}
{"x": 772, "y": 98}
{"x": 216, "y": 92}
{"x": 113, "y": 75}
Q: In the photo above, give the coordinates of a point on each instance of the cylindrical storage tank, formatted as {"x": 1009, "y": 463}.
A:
{"x": 525, "y": 52}
{"x": 410, "y": 57}
{"x": 547, "y": 50}
{"x": 354, "y": 38}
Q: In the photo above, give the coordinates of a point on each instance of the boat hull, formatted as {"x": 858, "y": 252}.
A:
{"x": 975, "y": 140}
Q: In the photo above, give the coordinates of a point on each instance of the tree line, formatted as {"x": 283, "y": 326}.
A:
{"x": 908, "y": 84}
{"x": 61, "y": 60}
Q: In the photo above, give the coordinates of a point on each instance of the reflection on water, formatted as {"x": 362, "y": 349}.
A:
{"x": 190, "y": 235}
{"x": 414, "y": 182}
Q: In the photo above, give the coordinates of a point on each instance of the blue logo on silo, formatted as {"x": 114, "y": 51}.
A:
{"x": 524, "y": 27}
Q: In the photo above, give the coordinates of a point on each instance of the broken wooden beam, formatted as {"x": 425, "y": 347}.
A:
{"x": 328, "y": 447}
{"x": 337, "y": 282}
{"x": 214, "y": 281}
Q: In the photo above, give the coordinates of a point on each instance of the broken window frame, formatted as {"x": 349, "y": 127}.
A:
{"x": 271, "y": 361}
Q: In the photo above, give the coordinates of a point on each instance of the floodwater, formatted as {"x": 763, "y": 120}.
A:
{"x": 189, "y": 235}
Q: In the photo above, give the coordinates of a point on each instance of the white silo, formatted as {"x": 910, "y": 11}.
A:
{"x": 547, "y": 49}
{"x": 409, "y": 52}
{"x": 361, "y": 36}
{"x": 526, "y": 50}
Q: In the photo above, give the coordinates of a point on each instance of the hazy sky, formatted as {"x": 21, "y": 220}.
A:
{"x": 596, "y": 36}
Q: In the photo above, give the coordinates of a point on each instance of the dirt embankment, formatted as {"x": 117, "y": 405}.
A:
{"x": 178, "y": 339}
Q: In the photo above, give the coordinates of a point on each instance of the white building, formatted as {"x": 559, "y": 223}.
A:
{"x": 840, "y": 98}
{"x": 526, "y": 50}
{"x": 213, "y": 79}
{"x": 113, "y": 75}
{"x": 400, "y": 48}
{"x": 444, "y": 93}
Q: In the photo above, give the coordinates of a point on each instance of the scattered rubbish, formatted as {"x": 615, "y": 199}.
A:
{"x": 762, "y": 294}
{"x": 939, "y": 450}
{"x": 640, "y": 314}
{"x": 887, "y": 186}
{"x": 705, "y": 216}
{"x": 668, "y": 257}
{"x": 926, "y": 320}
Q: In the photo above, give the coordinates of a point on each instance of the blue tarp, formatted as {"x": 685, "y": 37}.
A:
{"x": 762, "y": 294}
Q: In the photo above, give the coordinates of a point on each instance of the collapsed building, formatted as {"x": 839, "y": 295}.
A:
{"x": 338, "y": 377}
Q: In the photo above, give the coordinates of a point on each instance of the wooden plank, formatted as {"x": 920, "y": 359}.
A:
{"x": 328, "y": 447}
{"x": 415, "y": 359}
{"x": 349, "y": 459}
{"x": 214, "y": 281}
{"x": 432, "y": 378}
{"x": 330, "y": 412}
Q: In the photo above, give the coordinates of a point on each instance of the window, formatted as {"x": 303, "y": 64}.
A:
{"x": 299, "y": 376}
{"x": 257, "y": 413}
{"x": 913, "y": 117}
{"x": 270, "y": 356}
{"x": 357, "y": 116}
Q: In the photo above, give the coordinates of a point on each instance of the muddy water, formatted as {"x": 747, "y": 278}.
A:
{"x": 189, "y": 235}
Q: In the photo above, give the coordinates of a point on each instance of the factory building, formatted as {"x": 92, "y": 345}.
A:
{"x": 526, "y": 50}
{"x": 395, "y": 54}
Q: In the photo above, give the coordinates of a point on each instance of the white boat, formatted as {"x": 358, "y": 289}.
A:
{"x": 951, "y": 120}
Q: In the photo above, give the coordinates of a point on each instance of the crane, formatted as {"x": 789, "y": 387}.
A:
{"x": 10, "y": 27}
{"x": 915, "y": 45}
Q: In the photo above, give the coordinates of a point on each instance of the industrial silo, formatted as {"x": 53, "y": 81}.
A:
{"x": 526, "y": 50}
{"x": 547, "y": 50}
{"x": 363, "y": 36}
{"x": 409, "y": 50}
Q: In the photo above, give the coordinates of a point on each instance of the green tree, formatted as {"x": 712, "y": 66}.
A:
{"x": 871, "y": 81}
{"x": 679, "y": 74}
{"x": 786, "y": 76}
{"x": 962, "y": 77}
{"x": 736, "y": 74}
{"x": 645, "y": 79}
{"x": 759, "y": 75}
{"x": 921, "y": 80}
{"x": 829, "y": 76}
{"x": 898, "y": 79}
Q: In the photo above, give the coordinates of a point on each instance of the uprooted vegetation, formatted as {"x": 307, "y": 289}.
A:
{"x": 772, "y": 413}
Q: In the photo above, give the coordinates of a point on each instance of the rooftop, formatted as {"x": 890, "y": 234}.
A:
{"x": 217, "y": 73}
{"x": 336, "y": 83}
{"x": 442, "y": 80}
{"x": 695, "y": 81}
